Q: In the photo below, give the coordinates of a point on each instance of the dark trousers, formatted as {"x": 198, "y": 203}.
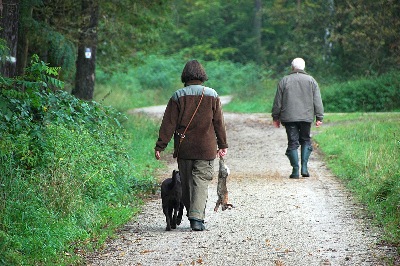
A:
{"x": 298, "y": 133}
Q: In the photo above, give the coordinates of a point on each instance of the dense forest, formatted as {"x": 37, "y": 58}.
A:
{"x": 338, "y": 39}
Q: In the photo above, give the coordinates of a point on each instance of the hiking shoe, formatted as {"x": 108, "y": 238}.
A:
{"x": 197, "y": 225}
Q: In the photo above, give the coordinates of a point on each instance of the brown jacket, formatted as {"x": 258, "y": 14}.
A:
{"x": 206, "y": 133}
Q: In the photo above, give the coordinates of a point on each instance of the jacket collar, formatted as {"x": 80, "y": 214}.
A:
{"x": 193, "y": 82}
{"x": 298, "y": 71}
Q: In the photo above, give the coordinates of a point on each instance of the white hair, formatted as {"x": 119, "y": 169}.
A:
{"x": 298, "y": 63}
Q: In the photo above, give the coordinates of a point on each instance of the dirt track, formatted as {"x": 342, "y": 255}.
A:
{"x": 276, "y": 220}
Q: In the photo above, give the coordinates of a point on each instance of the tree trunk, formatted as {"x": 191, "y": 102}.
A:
{"x": 86, "y": 61}
{"x": 23, "y": 41}
{"x": 9, "y": 18}
{"x": 257, "y": 30}
{"x": 328, "y": 32}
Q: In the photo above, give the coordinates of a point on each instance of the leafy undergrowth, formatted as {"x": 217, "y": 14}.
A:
{"x": 68, "y": 175}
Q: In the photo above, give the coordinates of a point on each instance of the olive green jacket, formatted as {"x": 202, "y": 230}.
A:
{"x": 298, "y": 99}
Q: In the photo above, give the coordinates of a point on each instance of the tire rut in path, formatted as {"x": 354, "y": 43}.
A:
{"x": 276, "y": 221}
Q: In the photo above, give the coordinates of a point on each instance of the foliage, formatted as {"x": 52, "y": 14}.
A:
{"x": 67, "y": 175}
{"x": 258, "y": 100}
{"x": 52, "y": 30}
{"x": 128, "y": 27}
{"x": 204, "y": 30}
{"x": 297, "y": 29}
{"x": 368, "y": 95}
{"x": 4, "y": 50}
{"x": 365, "y": 37}
{"x": 235, "y": 78}
{"x": 154, "y": 81}
{"x": 366, "y": 154}
{"x": 49, "y": 30}
{"x": 338, "y": 39}
{"x": 336, "y": 35}
{"x": 150, "y": 83}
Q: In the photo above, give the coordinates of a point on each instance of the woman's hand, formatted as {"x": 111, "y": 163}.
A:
{"x": 222, "y": 152}
{"x": 157, "y": 155}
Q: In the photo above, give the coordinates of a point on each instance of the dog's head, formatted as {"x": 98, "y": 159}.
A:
{"x": 176, "y": 176}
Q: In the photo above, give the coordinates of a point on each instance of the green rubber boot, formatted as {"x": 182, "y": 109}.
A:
{"x": 294, "y": 162}
{"x": 305, "y": 154}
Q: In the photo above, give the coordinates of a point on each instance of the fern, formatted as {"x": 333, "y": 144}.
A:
{"x": 38, "y": 75}
{"x": 44, "y": 74}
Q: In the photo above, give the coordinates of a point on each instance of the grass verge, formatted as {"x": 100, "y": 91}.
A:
{"x": 364, "y": 150}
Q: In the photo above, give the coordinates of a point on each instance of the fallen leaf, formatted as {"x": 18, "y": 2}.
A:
{"x": 146, "y": 251}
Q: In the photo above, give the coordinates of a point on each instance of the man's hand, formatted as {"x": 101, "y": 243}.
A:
{"x": 157, "y": 155}
{"x": 318, "y": 123}
{"x": 222, "y": 152}
{"x": 277, "y": 123}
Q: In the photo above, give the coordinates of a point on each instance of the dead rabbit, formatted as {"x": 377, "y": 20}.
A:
{"x": 222, "y": 190}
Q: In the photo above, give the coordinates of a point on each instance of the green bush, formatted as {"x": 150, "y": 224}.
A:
{"x": 66, "y": 174}
{"x": 380, "y": 94}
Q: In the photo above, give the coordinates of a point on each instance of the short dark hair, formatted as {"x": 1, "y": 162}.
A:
{"x": 193, "y": 70}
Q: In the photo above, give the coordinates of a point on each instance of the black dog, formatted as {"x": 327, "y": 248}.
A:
{"x": 171, "y": 195}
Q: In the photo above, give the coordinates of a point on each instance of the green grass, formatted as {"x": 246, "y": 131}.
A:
{"x": 364, "y": 150}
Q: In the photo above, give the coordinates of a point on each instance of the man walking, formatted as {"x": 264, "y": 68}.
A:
{"x": 297, "y": 102}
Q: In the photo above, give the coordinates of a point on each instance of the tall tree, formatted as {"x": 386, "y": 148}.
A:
{"x": 49, "y": 28}
{"x": 87, "y": 46}
{"x": 9, "y": 18}
{"x": 366, "y": 38}
{"x": 23, "y": 41}
{"x": 128, "y": 27}
{"x": 213, "y": 30}
{"x": 296, "y": 29}
{"x": 258, "y": 30}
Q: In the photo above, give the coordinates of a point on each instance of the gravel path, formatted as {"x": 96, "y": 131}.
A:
{"x": 275, "y": 220}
